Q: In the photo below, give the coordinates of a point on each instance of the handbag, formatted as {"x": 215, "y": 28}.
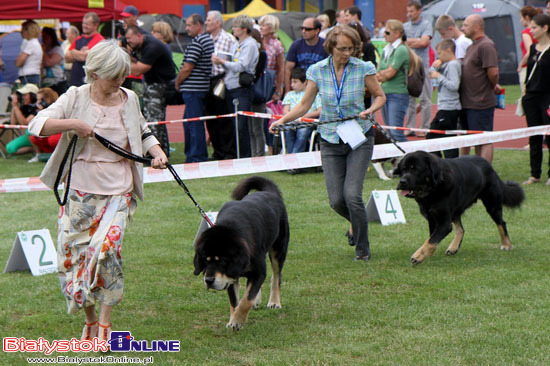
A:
{"x": 519, "y": 108}
{"x": 264, "y": 87}
{"x": 246, "y": 79}
{"x": 219, "y": 89}
{"x": 171, "y": 95}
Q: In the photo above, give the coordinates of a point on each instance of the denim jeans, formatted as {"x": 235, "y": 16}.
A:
{"x": 244, "y": 95}
{"x": 195, "y": 135}
{"x": 344, "y": 170}
{"x": 30, "y": 79}
{"x": 296, "y": 141}
{"x": 393, "y": 113}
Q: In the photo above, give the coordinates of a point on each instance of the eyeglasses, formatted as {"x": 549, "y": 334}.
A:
{"x": 307, "y": 29}
{"x": 387, "y": 33}
{"x": 345, "y": 49}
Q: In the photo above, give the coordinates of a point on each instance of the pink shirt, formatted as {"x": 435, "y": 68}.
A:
{"x": 273, "y": 49}
{"x": 98, "y": 170}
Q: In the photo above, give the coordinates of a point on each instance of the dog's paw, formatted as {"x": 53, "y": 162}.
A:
{"x": 506, "y": 247}
{"x": 236, "y": 326}
{"x": 451, "y": 251}
{"x": 383, "y": 177}
{"x": 416, "y": 261}
{"x": 273, "y": 305}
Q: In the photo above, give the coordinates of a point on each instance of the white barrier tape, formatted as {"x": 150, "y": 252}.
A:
{"x": 264, "y": 164}
{"x": 192, "y": 119}
{"x": 14, "y": 127}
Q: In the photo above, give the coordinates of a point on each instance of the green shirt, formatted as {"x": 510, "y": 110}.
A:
{"x": 399, "y": 60}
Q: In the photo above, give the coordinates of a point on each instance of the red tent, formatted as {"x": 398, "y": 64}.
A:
{"x": 67, "y": 10}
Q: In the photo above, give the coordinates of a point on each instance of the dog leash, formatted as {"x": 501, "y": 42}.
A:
{"x": 125, "y": 154}
{"x": 298, "y": 124}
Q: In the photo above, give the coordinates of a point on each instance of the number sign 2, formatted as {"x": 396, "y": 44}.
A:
{"x": 33, "y": 250}
{"x": 384, "y": 206}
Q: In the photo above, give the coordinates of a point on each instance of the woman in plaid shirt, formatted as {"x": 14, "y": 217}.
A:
{"x": 340, "y": 81}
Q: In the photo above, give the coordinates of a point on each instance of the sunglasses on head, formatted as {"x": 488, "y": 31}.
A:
{"x": 387, "y": 33}
{"x": 307, "y": 29}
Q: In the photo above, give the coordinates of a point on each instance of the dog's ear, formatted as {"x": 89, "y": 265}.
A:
{"x": 397, "y": 170}
{"x": 197, "y": 260}
{"x": 242, "y": 257}
{"x": 435, "y": 168}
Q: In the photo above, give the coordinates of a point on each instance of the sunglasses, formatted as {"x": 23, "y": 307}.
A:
{"x": 307, "y": 29}
{"x": 345, "y": 49}
{"x": 387, "y": 33}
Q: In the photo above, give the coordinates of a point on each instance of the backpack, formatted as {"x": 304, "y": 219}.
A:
{"x": 415, "y": 82}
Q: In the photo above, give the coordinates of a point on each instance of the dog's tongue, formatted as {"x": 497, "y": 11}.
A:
{"x": 405, "y": 192}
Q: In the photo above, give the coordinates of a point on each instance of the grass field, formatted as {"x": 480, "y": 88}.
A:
{"x": 479, "y": 307}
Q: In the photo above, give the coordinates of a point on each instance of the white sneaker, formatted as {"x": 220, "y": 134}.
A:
{"x": 34, "y": 159}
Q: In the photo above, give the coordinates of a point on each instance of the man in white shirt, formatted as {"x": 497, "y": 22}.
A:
{"x": 446, "y": 27}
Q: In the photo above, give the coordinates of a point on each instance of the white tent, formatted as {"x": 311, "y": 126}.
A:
{"x": 502, "y": 25}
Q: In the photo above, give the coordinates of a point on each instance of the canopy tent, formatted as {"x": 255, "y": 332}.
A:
{"x": 69, "y": 10}
{"x": 502, "y": 25}
{"x": 256, "y": 8}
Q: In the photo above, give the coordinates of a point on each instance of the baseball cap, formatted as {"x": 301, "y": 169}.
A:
{"x": 129, "y": 11}
{"x": 28, "y": 88}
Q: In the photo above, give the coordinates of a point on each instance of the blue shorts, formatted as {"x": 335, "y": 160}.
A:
{"x": 478, "y": 119}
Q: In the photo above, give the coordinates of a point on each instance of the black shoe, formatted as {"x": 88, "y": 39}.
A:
{"x": 292, "y": 171}
{"x": 361, "y": 258}
{"x": 350, "y": 239}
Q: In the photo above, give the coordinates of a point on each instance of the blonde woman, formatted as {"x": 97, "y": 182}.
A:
{"x": 325, "y": 25}
{"x": 269, "y": 26}
{"x": 163, "y": 32}
{"x": 29, "y": 60}
{"x": 104, "y": 186}
{"x": 397, "y": 60}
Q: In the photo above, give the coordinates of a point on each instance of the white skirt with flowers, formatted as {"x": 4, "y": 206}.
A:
{"x": 89, "y": 245}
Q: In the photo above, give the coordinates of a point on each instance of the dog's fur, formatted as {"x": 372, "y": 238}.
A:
{"x": 247, "y": 229}
{"x": 445, "y": 188}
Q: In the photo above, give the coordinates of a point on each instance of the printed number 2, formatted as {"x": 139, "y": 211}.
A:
{"x": 41, "y": 260}
{"x": 389, "y": 207}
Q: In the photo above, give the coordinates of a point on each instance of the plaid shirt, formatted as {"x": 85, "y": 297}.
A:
{"x": 223, "y": 42}
{"x": 273, "y": 49}
{"x": 352, "y": 99}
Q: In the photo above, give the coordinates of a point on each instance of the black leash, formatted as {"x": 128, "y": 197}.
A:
{"x": 127, "y": 155}
{"x": 70, "y": 150}
{"x": 298, "y": 124}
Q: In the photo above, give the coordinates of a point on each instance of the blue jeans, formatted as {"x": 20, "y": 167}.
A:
{"x": 344, "y": 170}
{"x": 394, "y": 112}
{"x": 30, "y": 79}
{"x": 195, "y": 135}
{"x": 244, "y": 95}
{"x": 296, "y": 141}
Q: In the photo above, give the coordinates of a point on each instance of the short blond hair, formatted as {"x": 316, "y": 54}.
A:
{"x": 108, "y": 61}
{"x": 341, "y": 30}
{"x": 272, "y": 21}
{"x": 32, "y": 28}
{"x": 165, "y": 30}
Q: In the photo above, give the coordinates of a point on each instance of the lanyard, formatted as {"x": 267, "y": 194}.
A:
{"x": 338, "y": 88}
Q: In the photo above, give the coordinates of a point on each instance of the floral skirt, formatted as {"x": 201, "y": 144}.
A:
{"x": 89, "y": 244}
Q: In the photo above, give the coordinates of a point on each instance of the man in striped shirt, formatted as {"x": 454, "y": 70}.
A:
{"x": 193, "y": 81}
{"x": 221, "y": 130}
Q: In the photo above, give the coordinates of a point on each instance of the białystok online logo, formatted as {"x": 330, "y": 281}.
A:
{"x": 119, "y": 341}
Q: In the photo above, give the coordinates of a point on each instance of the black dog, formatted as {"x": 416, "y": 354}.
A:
{"x": 246, "y": 230}
{"x": 444, "y": 189}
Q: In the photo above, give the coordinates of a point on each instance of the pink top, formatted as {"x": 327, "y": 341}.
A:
{"x": 273, "y": 49}
{"x": 98, "y": 170}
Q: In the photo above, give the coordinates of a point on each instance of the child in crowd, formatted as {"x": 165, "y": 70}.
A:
{"x": 296, "y": 140}
{"x": 447, "y": 71}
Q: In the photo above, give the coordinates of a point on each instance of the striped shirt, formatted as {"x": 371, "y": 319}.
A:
{"x": 352, "y": 99}
{"x": 222, "y": 43}
{"x": 199, "y": 53}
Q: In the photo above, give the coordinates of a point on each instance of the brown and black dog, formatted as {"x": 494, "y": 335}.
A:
{"x": 445, "y": 188}
{"x": 246, "y": 230}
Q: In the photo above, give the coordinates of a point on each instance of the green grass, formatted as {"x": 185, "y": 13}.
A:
{"x": 482, "y": 306}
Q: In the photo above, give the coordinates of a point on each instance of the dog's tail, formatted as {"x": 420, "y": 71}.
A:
{"x": 513, "y": 194}
{"x": 257, "y": 183}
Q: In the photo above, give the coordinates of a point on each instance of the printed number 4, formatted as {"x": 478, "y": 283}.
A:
{"x": 389, "y": 207}
{"x": 41, "y": 260}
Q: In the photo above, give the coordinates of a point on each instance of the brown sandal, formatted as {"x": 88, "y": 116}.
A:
{"x": 89, "y": 331}
{"x": 104, "y": 332}
{"x": 532, "y": 180}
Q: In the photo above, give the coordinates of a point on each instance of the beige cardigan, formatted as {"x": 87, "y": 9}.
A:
{"x": 76, "y": 104}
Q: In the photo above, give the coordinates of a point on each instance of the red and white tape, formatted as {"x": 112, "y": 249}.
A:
{"x": 293, "y": 161}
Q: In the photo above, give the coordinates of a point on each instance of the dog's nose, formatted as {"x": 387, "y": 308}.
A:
{"x": 402, "y": 182}
{"x": 209, "y": 281}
